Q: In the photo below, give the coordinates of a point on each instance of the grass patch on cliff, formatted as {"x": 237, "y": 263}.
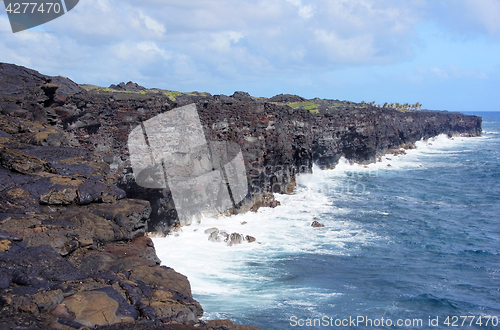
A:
{"x": 172, "y": 95}
{"x": 310, "y": 105}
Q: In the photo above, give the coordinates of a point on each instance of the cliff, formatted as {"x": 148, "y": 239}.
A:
{"x": 73, "y": 250}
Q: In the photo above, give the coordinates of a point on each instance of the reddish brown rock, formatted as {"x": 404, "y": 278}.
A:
{"x": 250, "y": 239}
{"x": 316, "y": 224}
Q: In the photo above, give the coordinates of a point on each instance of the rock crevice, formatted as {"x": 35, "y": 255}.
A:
{"x": 73, "y": 221}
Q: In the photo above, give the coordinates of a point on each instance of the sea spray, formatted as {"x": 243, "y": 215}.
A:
{"x": 367, "y": 244}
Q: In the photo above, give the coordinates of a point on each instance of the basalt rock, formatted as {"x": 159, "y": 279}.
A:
{"x": 73, "y": 219}
{"x": 362, "y": 134}
{"x": 73, "y": 250}
{"x": 317, "y": 224}
{"x": 216, "y": 235}
{"x": 279, "y": 137}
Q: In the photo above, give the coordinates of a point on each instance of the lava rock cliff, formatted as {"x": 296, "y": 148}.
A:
{"x": 73, "y": 246}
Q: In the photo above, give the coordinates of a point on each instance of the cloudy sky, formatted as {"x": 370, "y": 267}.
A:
{"x": 444, "y": 54}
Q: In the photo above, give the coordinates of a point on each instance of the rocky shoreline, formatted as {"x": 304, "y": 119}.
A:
{"x": 73, "y": 246}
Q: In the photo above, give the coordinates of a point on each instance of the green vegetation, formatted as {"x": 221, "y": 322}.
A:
{"x": 142, "y": 92}
{"x": 172, "y": 95}
{"x": 311, "y": 106}
{"x": 297, "y": 105}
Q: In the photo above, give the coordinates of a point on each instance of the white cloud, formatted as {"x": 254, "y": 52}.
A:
{"x": 442, "y": 74}
{"x": 352, "y": 50}
{"x": 223, "y": 40}
{"x": 162, "y": 42}
{"x": 469, "y": 17}
{"x": 4, "y": 24}
{"x": 487, "y": 13}
{"x": 151, "y": 24}
{"x": 305, "y": 12}
{"x": 455, "y": 72}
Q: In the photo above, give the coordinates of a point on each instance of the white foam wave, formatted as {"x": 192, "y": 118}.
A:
{"x": 216, "y": 269}
{"x": 238, "y": 272}
{"x": 421, "y": 157}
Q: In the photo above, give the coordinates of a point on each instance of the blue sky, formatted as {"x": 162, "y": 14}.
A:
{"x": 444, "y": 54}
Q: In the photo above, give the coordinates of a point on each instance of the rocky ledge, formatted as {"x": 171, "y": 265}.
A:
{"x": 73, "y": 247}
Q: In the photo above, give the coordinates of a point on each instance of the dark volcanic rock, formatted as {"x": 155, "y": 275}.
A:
{"x": 277, "y": 141}
{"x": 316, "y": 224}
{"x": 128, "y": 87}
{"x": 72, "y": 247}
{"x": 73, "y": 250}
{"x": 362, "y": 134}
{"x": 287, "y": 98}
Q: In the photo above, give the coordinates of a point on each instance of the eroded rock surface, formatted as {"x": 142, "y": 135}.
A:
{"x": 73, "y": 250}
{"x": 72, "y": 219}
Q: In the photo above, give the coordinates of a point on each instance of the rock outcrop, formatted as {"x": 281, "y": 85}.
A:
{"x": 216, "y": 235}
{"x": 280, "y": 137}
{"x": 317, "y": 224}
{"x": 73, "y": 250}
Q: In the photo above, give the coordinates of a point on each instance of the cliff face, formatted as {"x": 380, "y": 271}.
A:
{"x": 277, "y": 141}
{"x": 73, "y": 219}
{"x": 362, "y": 135}
{"x": 73, "y": 250}
{"x": 279, "y": 137}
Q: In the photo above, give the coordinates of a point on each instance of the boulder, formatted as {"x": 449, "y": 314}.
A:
{"x": 209, "y": 231}
{"x": 215, "y": 237}
{"x": 96, "y": 308}
{"x": 249, "y": 239}
{"x": 235, "y": 238}
{"x": 316, "y": 224}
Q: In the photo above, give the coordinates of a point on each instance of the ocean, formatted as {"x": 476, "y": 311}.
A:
{"x": 411, "y": 242}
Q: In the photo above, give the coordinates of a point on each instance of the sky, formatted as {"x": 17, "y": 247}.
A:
{"x": 444, "y": 54}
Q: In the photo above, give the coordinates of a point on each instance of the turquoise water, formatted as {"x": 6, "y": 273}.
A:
{"x": 416, "y": 241}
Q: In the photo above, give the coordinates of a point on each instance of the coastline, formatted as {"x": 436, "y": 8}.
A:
{"x": 239, "y": 273}
{"x": 73, "y": 222}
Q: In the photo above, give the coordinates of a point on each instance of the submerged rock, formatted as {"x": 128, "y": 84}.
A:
{"x": 235, "y": 238}
{"x": 211, "y": 230}
{"x": 250, "y": 239}
{"x": 316, "y": 224}
{"x": 215, "y": 237}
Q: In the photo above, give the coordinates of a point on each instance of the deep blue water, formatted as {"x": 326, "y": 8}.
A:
{"x": 416, "y": 240}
